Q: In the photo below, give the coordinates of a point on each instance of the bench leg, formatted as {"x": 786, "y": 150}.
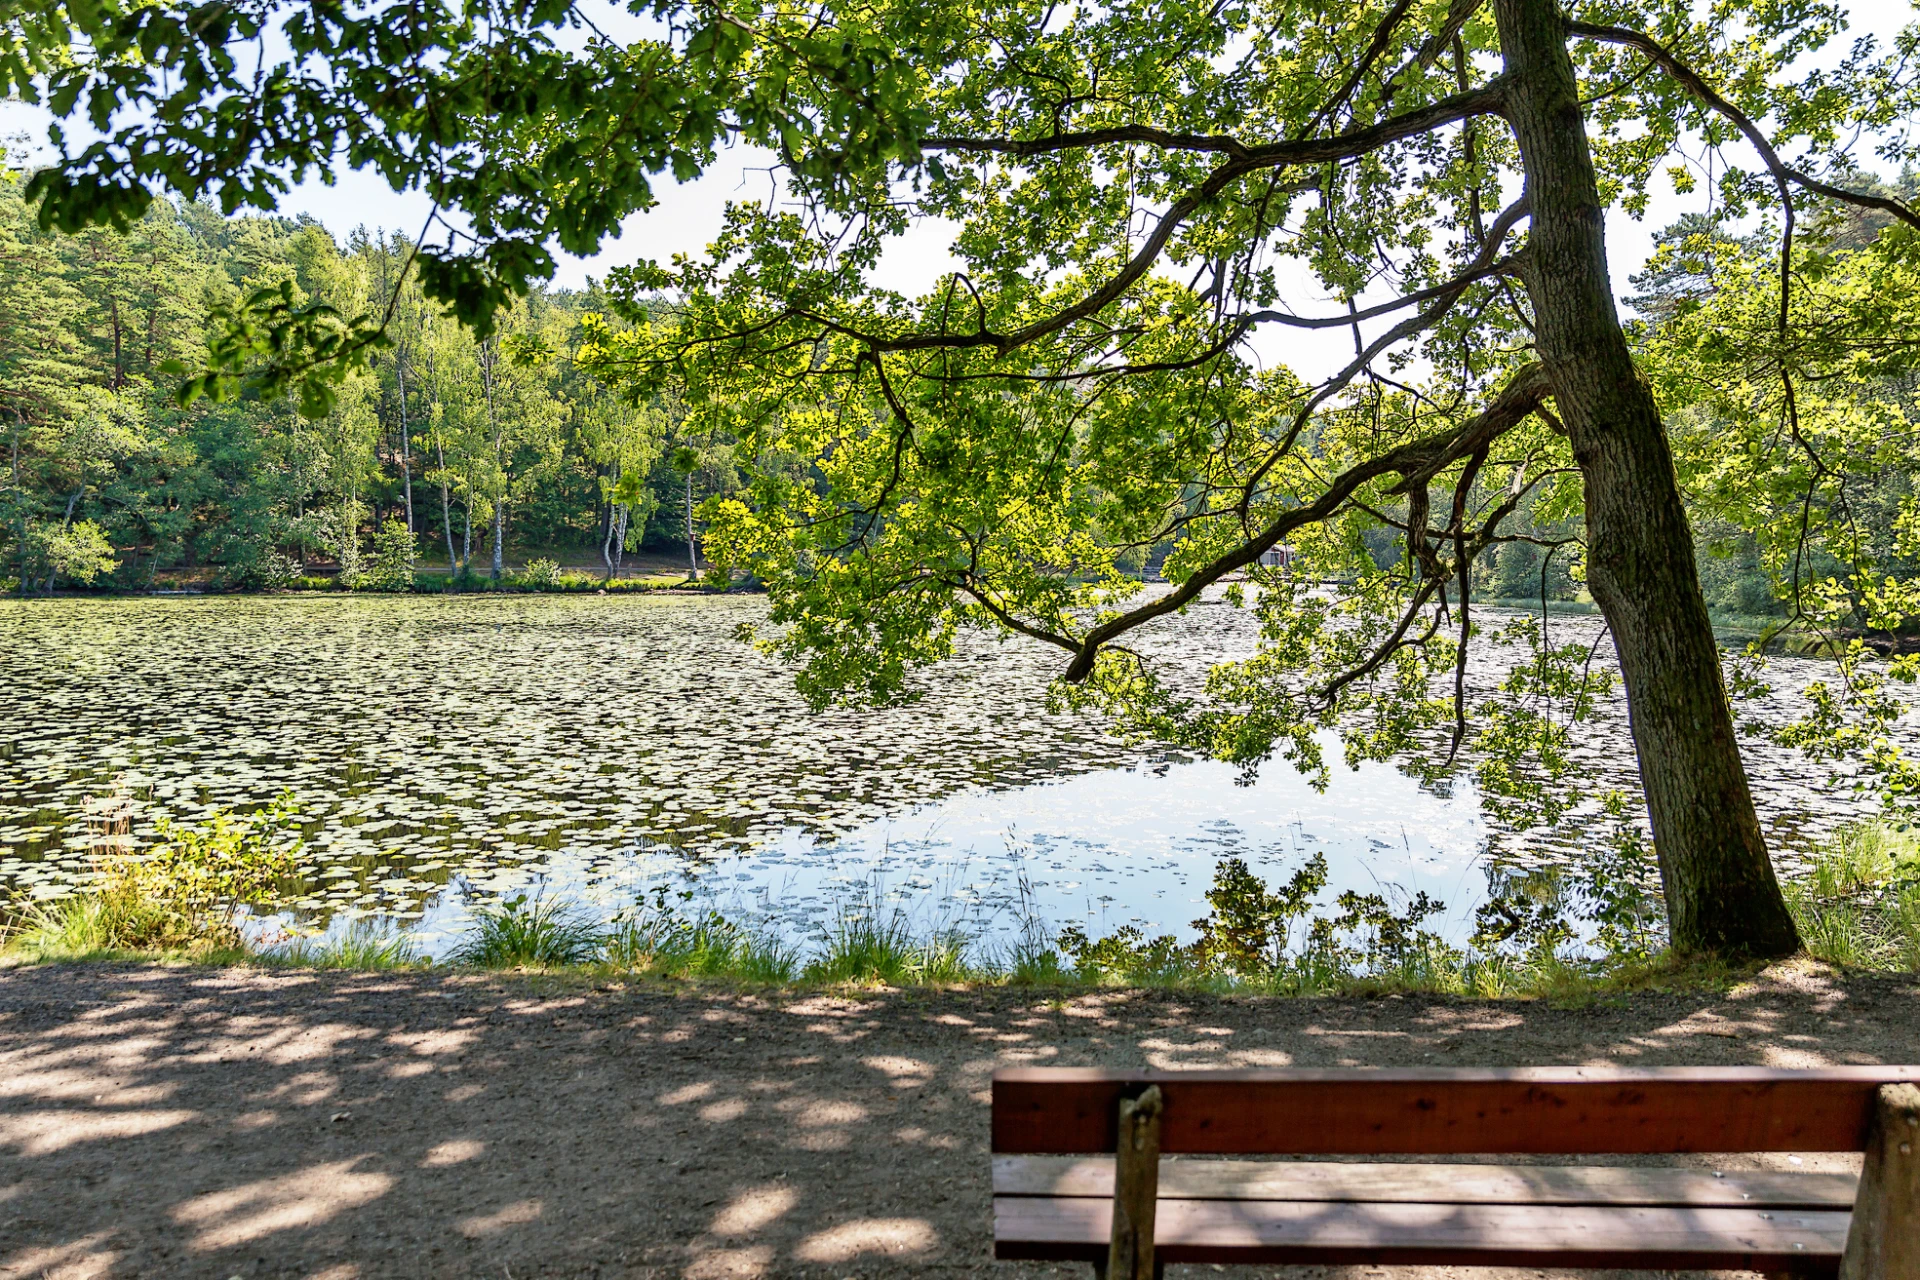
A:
{"x": 1884, "y": 1241}
{"x": 1136, "y": 1190}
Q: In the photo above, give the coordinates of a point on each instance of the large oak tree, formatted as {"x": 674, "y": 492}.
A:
{"x": 1140, "y": 191}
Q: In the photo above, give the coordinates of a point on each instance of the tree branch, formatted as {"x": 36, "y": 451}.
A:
{"x": 1695, "y": 84}
{"x": 1428, "y": 455}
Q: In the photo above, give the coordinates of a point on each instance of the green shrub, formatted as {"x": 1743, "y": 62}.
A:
{"x": 534, "y": 933}
{"x": 392, "y": 566}
{"x": 541, "y": 574}
{"x": 260, "y": 568}
{"x": 185, "y": 892}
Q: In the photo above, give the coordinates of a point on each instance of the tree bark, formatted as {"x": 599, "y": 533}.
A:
{"x": 488, "y": 355}
{"x": 693, "y": 559}
{"x": 1719, "y": 883}
{"x": 406, "y": 453}
{"x": 446, "y": 503}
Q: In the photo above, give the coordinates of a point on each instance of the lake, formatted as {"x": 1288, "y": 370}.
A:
{"x": 449, "y": 750}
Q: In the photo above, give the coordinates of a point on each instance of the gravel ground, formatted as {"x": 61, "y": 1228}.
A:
{"x": 160, "y": 1122}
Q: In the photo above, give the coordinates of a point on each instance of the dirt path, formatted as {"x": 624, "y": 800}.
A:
{"x": 163, "y": 1123}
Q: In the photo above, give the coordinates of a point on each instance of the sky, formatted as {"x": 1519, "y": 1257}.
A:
{"x": 688, "y": 214}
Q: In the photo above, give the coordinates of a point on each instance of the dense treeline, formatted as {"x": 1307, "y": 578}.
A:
{"x": 461, "y": 452}
{"x": 447, "y": 449}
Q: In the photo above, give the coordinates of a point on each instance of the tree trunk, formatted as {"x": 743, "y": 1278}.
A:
{"x": 488, "y": 357}
{"x": 693, "y": 560}
{"x": 499, "y": 535}
{"x": 446, "y": 503}
{"x": 607, "y": 522}
{"x": 1720, "y": 889}
{"x": 406, "y": 454}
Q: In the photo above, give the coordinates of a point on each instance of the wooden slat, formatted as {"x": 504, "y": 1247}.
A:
{"x": 1278, "y": 1231}
{"x": 1432, "y": 1183}
{"x": 1550, "y": 1110}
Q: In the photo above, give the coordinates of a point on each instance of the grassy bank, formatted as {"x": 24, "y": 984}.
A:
{"x": 187, "y": 898}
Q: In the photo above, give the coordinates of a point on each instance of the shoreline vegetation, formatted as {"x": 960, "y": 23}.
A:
{"x": 542, "y": 576}
{"x": 187, "y": 898}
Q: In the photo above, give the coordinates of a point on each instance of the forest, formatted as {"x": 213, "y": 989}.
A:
{"x": 459, "y": 455}
{"x": 445, "y": 450}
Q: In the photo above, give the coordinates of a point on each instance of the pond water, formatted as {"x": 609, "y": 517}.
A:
{"x": 446, "y": 751}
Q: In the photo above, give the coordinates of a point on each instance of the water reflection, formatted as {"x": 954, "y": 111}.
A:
{"x": 1135, "y": 845}
{"x": 606, "y": 746}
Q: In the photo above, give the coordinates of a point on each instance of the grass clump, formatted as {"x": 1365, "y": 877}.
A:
{"x": 365, "y": 946}
{"x": 524, "y": 932}
{"x": 862, "y": 949}
{"x": 1858, "y": 902}
{"x": 657, "y": 942}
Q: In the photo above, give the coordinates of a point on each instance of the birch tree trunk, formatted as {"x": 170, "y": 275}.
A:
{"x": 489, "y": 354}
{"x": 693, "y": 562}
{"x": 606, "y": 540}
{"x": 1720, "y": 888}
{"x": 446, "y": 502}
{"x": 406, "y": 454}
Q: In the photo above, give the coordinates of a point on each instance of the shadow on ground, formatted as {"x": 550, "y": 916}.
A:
{"x": 191, "y": 1122}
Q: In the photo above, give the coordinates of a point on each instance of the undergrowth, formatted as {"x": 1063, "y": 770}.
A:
{"x": 183, "y": 896}
{"x": 523, "y": 932}
{"x": 1542, "y": 934}
{"x": 1858, "y": 905}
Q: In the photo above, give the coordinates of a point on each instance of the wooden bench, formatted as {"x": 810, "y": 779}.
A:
{"x": 1060, "y": 1193}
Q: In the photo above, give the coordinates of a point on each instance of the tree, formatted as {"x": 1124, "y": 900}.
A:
{"x": 620, "y": 437}
{"x": 1087, "y": 383}
{"x": 40, "y": 360}
{"x": 986, "y": 454}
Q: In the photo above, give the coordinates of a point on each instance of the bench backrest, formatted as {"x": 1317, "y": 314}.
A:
{"x": 1528, "y": 1110}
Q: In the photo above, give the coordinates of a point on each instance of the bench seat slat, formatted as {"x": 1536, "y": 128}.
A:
{"x": 1561, "y": 1110}
{"x": 1431, "y": 1183}
{"x": 1279, "y": 1231}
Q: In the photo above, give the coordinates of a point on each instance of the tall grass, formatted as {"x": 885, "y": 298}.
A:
{"x": 862, "y": 948}
{"x": 659, "y": 943}
{"x": 1858, "y": 902}
{"x": 365, "y": 945}
{"x": 524, "y": 932}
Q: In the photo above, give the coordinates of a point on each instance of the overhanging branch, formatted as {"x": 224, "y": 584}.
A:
{"x": 1426, "y": 456}
{"x": 1697, "y": 85}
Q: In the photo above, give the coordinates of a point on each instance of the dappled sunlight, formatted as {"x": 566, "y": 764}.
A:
{"x": 506, "y": 1217}
{"x": 254, "y": 1210}
{"x": 724, "y": 1112}
{"x": 493, "y": 1125}
{"x": 83, "y": 1259}
{"x": 455, "y": 1151}
{"x": 753, "y": 1209}
{"x": 884, "y": 1236}
{"x": 307, "y": 1089}
{"x": 730, "y": 1264}
{"x": 39, "y": 1133}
